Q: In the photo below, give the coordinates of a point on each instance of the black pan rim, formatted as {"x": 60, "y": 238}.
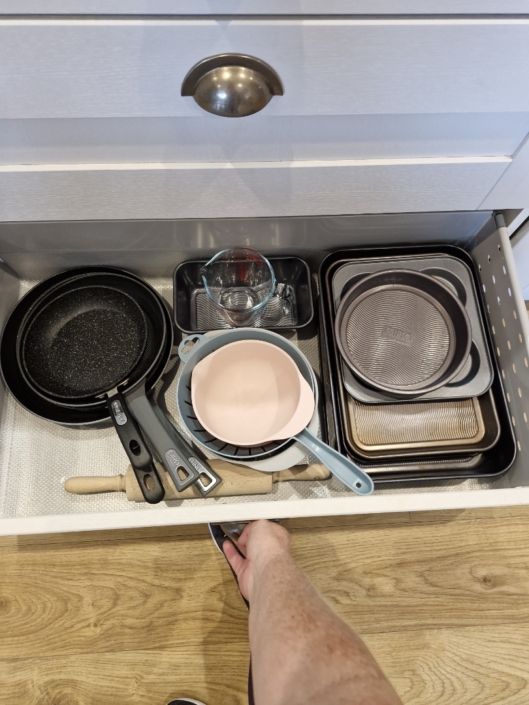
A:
{"x": 96, "y": 401}
{"x": 41, "y": 311}
{"x": 440, "y": 376}
{"x": 82, "y": 417}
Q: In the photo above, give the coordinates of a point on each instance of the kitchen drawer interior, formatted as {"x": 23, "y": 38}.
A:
{"x": 36, "y": 456}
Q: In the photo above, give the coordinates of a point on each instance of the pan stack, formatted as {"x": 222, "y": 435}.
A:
{"x": 89, "y": 345}
{"x": 415, "y": 390}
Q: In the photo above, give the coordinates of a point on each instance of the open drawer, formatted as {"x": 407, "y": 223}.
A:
{"x": 36, "y": 456}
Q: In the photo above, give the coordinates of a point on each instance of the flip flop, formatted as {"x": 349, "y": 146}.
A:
{"x": 228, "y": 531}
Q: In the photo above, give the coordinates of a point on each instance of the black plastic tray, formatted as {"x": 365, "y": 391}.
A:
{"x": 491, "y": 463}
{"x": 188, "y": 291}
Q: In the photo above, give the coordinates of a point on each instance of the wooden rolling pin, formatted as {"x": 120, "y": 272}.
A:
{"x": 236, "y": 480}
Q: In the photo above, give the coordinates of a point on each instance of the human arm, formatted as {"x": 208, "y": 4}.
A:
{"x": 302, "y": 652}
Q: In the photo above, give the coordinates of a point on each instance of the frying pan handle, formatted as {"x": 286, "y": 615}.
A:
{"x": 175, "y": 454}
{"x": 344, "y": 469}
{"x": 208, "y": 478}
{"x": 134, "y": 446}
{"x": 197, "y": 338}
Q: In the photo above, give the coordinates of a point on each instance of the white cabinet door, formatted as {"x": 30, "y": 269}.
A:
{"x": 378, "y": 115}
{"x": 134, "y": 68}
{"x": 264, "y": 7}
{"x": 354, "y": 89}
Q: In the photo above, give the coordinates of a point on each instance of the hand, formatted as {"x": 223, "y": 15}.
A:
{"x": 260, "y": 542}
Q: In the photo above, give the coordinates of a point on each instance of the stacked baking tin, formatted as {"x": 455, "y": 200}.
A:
{"x": 461, "y": 428}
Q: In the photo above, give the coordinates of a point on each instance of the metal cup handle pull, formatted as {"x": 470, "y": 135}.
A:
{"x": 232, "y": 85}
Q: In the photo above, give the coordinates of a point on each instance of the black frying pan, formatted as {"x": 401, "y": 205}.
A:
{"x": 55, "y": 317}
{"x": 95, "y": 413}
{"x": 53, "y": 304}
{"x": 86, "y": 337}
{"x": 81, "y": 341}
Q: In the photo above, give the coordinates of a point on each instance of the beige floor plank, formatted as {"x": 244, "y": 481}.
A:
{"x": 422, "y": 576}
{"x": 206, "y": 672}
{"x": 478, "y": 666}
{"x": 353, "y": 522}
{"x": 469, "y": 514}
{"x": 148, "y": 594}
{"x": 444, "y": 606}
{"x": 159, "y": 593}
{"x": 83, "y": 537}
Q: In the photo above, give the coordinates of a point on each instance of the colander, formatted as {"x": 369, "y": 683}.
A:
{"x": 347, "y": 471}
{"x": 202, "y": 347}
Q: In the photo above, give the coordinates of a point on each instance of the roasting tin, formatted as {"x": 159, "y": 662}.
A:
{"x": 475, "y": 377}
{"x": 194, "y": 312}
{"x": 490, "y": 463}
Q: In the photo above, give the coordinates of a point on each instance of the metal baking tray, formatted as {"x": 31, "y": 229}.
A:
{"x": 491, "y": 463}
{"x": 423, "y": 469}
{"x": 476, "y": 376}
{"x": 377, "y": 431}
{"x": 194, "y": 312}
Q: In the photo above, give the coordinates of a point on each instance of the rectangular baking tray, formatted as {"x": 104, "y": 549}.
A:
{"x": 391, "y": 430}
{"x": 476, "y": 376}
{"x": 194, "y": 312}
{"x": 491, "y": 463}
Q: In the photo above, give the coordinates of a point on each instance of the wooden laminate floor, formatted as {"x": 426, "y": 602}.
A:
{"x": 442, "y": 599}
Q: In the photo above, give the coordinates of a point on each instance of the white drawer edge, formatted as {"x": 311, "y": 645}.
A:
{"x": 375, "y": 504}
{"x": 262, "y": 20}
{"x": 236, "y": 166}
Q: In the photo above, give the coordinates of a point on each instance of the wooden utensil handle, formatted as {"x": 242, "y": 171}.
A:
{"x": 95, "y": 485}
{"x": 314, "y": 471}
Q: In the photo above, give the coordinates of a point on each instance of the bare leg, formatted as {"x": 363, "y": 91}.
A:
{"x": 302, "y": 653}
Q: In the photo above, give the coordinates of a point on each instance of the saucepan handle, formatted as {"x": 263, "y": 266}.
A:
{"x": 197, "y": 339}
{"x": 139, "y": 455}
{"x": 344, "y": 469}
{"x": 208, "y": 479}
{"x": 174, "y": 456}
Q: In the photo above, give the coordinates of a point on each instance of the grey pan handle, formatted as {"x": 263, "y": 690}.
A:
{"x": 178, "y": 464}
{"x": 341, "y": 467}
{"x": 207, "y": 477}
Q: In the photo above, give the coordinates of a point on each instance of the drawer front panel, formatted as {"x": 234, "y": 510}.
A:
{"x": 206, "y": 138}
{"x": 255, "y": 189}
{"x": 134, "y": 68}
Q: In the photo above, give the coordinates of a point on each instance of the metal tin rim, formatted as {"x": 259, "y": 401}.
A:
{"x": 358, "y": 293}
